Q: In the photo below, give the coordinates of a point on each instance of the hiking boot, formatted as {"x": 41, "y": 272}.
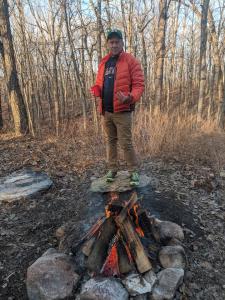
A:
{"x": 110, "y": 176}
{"x": 134, "y": 179}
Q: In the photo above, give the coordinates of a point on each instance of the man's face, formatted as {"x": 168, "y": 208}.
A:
{"x": 115, "y": 45}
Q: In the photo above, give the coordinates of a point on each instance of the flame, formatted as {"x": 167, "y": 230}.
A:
{"x": 138, "y": 228}
{"x": 139, "y": 231}
{"x": 111, "y": 265}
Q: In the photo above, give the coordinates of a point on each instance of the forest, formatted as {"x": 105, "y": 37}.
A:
{"x": 50, "y": 52}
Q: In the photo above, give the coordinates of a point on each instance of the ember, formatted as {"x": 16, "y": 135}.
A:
{"x": 111, "y": 265}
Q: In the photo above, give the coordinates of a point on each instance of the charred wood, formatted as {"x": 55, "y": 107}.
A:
{"x": 137, "y": 250}
{"x": 88, "y": 246}
{"x": 144, "y": 223}
{"x": 125, "y": 264}
{"x": 100, "y": 249}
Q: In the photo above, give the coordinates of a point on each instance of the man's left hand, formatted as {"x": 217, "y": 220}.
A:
{"x": 123, "y": 99}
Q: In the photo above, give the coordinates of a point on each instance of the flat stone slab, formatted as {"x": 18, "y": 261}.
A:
{"x": 121, "y": 183}
{"x": 23, "y": 183}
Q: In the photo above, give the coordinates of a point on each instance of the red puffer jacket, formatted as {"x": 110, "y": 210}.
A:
{"x": 129, "y": 79}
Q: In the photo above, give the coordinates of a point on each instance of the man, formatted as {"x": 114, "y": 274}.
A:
{"x": 119, "y": 84}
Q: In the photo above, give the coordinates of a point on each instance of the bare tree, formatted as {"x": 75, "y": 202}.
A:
{"x": 160, "y": 52}
{"x": 219, "y": 73}
{"x": 1, "y": 119}
{"x": 13, "y": 88}
{"x": 202, "y": 60}
{"x": 79, "y": 77}
{"x": 58, "y": 45}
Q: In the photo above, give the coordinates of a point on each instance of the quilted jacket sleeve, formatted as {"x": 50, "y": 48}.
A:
{"x": 137, "y": 80}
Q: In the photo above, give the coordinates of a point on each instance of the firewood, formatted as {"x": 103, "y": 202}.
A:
{"x": 88, "y": 245}
{"x": 122, "y": 215}
{"x": 137, "y": 250}
{"x": 144, "y": 223}
{"x": 125, "y": 264}
{"x": 100, "y": 248}
{"x": 93, "y": 231}
{"x": 115, "y": 207}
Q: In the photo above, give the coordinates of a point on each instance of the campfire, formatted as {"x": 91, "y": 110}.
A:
{"x": 113, "y": 245}
{"x": 126, "y": 253}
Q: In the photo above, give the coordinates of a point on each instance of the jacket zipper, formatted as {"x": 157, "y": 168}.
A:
{"x": 115, "y": 79}
{"x": 114, "y": 86}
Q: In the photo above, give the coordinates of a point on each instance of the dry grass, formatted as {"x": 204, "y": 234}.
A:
{"x": 180, "y": 138}
{"x": 77, "y": 147}
{"x": 165, "y": 136}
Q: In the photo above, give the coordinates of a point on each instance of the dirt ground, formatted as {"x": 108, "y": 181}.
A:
{"x": 191, "y": 195}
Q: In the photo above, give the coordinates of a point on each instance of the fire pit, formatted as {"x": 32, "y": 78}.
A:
{"x": 126, "y": 253}
{"x": 113, "y": 246}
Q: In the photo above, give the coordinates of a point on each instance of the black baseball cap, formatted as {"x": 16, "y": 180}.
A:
{"x": 114, "y": 32}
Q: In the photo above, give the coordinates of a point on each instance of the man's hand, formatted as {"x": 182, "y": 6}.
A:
{"x": 93, "y": 95}
{"x": 123, "y": 99}
{"x": 95, "y": 91}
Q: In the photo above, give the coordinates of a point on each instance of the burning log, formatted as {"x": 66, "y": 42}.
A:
{"x": 125, "y": 259}
{"x": 92, "y": 232}
{"x": 100, "y": 248}
{"x": 88, "y": 246}
{"x": 115, "y": 207}
{"x": 144, "y": 223}
{"x": 137, "y": 250}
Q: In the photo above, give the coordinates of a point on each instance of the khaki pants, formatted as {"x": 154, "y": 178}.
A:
{"x": 117, "y": 128}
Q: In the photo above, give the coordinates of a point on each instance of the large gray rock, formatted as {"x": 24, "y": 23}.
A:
{"x": 172, "y": 257}
{"x": 168, "y": 281}
{"x": 51, "y": 277}
{"x": 164, "y": 231}
{"x": 136, "y": 284}
{"x": 102, "y": 288}
{"x": 121, "y": 183}
{"x": 23, "y": 183}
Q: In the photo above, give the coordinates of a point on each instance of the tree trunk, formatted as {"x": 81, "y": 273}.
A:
{"x": 99, "y": 38}
{"x": 10, "y": 73}
{"x": 202, "y": 62}
{"x": 211, "y": 94}
{"x": 79, "y": 79}
{"x": 1, "y": 120}
{"x": 160, "y": 53}
{"x": 145, "y": 64}
{"x": 221, "y": 105}
{"x": 28, "y": 99}
{"x": 130, "y": 32}
{"x": 218, "y": 72}
{"x": 172, "y": 66}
